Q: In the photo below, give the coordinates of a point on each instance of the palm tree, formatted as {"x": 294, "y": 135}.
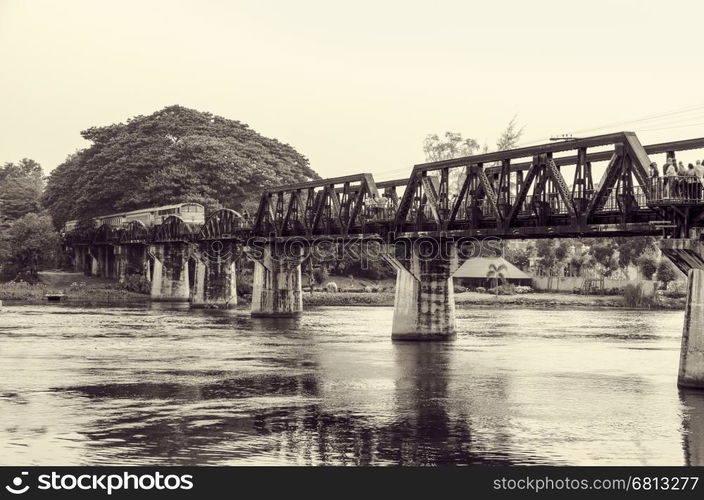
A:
{"x": 494, "y": 274}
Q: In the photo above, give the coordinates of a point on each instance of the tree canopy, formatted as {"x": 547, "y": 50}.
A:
{"x": 21, "y": 190}
{"x": 173, "y": 155}
{"x": 452, "y": 145}
{"x": 28, "y": 244}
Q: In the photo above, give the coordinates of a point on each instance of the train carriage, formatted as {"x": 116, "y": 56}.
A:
{"x": 191, "y": 213}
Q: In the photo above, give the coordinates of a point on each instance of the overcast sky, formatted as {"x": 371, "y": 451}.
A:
{"x": 354, "y": 86}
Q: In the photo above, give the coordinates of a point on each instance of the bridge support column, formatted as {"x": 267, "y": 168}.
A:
{"x": 170, "y": 274}
{"x": 81, "y": 259}
{"x": 92, "y": 267}
{"x": 276, "y": 290}
{"x": 424, "y": 305}
{"x": 103, "y": 264}
{"x": 215, "y": 283}
{"x": 120, "y": 263}
{"x": 688, "y": 256}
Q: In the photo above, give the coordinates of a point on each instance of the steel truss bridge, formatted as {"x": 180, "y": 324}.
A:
{"x": 519, "y": 193}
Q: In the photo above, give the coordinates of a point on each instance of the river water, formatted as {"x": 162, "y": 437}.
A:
{"x": 161, "y": 384}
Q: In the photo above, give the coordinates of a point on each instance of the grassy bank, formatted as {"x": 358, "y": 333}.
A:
{"x": 348, "y": 299}
{"x": 467, "y": 299}
{"x": 100, "y": 291}
{"x": 83, "y": 289}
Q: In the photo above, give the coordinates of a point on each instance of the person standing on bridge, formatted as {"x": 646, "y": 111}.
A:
{"x": 653, "y": 171}
{"x": 691, "y": 183}
{"x": 654, "y": 175}
{"x": 670, "y": 178}
{"x": 681, "y": 181}
{"x": 699, "y": 181}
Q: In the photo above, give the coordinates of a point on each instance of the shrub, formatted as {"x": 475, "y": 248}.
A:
{"x": 507, "y": 289}
{"x": 648, "y": 265}
{"x": 524, "y": 289}
{"x": 676, "y": 290}
{"x": 459, "y": 289}
{"x": 480, "y": 289}
{"x": 633, "y": 296}
{"x": 133, "y": 283}
{"x": 320, "y": 274}
{"x": 22, "y": 290}
{"x": 666, "y": 272}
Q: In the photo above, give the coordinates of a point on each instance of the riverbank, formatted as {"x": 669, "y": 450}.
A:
{"x": 89, "y": 290}
{"x": 75, "y": 287}
{"x": 466, "y": 299}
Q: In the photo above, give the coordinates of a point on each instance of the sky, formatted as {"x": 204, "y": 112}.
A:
{"x": 354, "y": 86}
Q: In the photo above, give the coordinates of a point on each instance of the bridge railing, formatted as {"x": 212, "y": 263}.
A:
{"x": 679, "y": 190}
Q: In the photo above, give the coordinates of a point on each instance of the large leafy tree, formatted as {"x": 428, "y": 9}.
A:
{"x": 174, "y": 155}
{"x": 21, "y": 187}
{"x": 28, "y": 244}
{"x": 631, "y": 249}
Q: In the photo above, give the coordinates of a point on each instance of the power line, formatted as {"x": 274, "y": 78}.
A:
{"x": 675, "y": 126}
{"x": 653, "y": 116}
{"x": 687, "y": 109}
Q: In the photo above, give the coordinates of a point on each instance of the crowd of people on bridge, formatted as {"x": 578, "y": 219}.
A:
{"x": 677, "y": 181}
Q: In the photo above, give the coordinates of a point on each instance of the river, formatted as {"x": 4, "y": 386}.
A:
{"x": 162, "y": 384}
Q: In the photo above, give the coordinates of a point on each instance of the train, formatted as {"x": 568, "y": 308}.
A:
{"x": 191, "y": 213}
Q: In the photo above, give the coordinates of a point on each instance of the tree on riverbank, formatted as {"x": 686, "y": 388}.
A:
{"x": 453, "y": 145}
{"x": 27, "y": 245}
{"x": 495, "y": 274}
{"x": 27, "y": 237}
{"x": 666, "y": 272}
{"x": 21, "y": 187}
{"x": 173, "y": 155}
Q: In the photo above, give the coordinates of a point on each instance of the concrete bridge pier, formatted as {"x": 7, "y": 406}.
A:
{"x": 424, "y": 304}
{"x": 688, "y": 256}
{"x": 104, "y": 262}
{"x": 92, "y": 265}
{"x": 170, "y": 275}
{"x": 82, "y": 261}
{"x": 215, "y": 283}
{"x": 276, "y": 289}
